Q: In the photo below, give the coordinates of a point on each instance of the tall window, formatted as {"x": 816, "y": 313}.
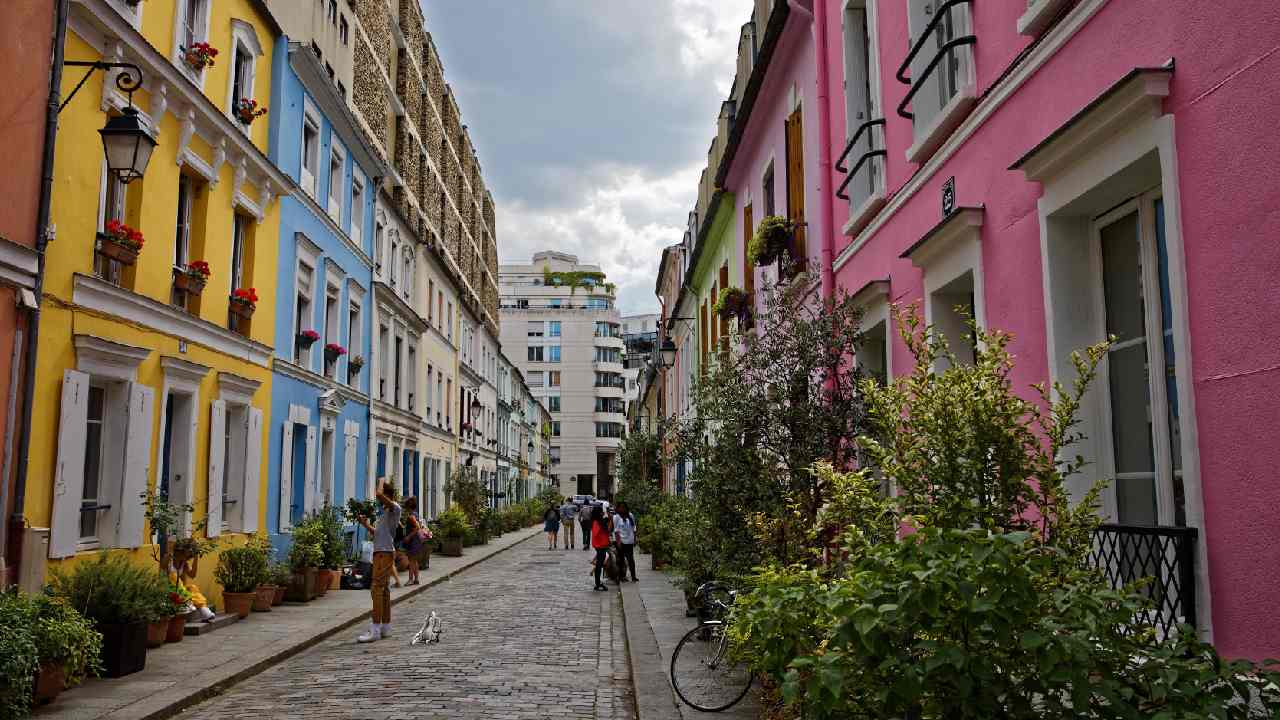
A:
{"x": 343, "y": 30}
{"x": 92, "y": 465}
{"x": 412, "y": 380}
{"x": 302, "y": 313}
{"x": 378, "y": 255}
{"x": 115, "y": 195}
{"x": 193, "y": 22}
{"x": 354, "y": 339}
{"x": 553, "y": 378}
{"x": 553, "y": 403}
{"x": 240, "y": 274}
{"x": 241, "y": 77}
{"x": 441, "y": 398}
{"x": 332, "y": 318}
{"x": 395, "y": 379}
{"x": 553, "y": 328}
{"x": 933, "y": 101}
{"x": 534, "y": 353}
{"x": 430, "y": 395}
{"x": 182, "y": 233}
{"x": 335, "y": 184}
{"x": 383, "y": 361}
{"x": 310, "y": 154}
{"x": 555, "y": 428}
{"x": 861, "y": 105}
{"x": 357, "y": 209}
{"x": 767, "y": 191}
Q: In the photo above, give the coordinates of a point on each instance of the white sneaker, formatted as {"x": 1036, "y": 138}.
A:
{"x": 385, "y": 629}
{"x": 373, "y": 635}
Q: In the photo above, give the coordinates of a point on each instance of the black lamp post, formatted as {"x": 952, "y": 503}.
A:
{"x": 125, "y": 142}
{"x": 668, "y": 353}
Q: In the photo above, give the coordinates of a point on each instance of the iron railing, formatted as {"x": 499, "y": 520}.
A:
{"x": 862, "y": 159}
{"x": 1162, "y": 557}
{"x": 944, "y": 10}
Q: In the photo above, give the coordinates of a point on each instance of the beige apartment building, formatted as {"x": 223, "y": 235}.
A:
{"x": 561, "y": 328}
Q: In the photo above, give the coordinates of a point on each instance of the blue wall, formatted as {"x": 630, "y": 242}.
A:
{"x": 300, "y": 216}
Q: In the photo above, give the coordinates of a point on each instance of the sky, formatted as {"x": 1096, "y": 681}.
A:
{"x": 591, "y": 119}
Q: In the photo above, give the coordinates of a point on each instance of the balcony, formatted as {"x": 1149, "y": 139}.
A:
{"x": 1162, "y": 555}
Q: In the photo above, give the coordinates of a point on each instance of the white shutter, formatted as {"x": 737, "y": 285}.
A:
{"x": 137, "y": 466}
{"x": 286, "y": 474}
{"x": 308, "y": 180}
{"x": 349, "y": 461}
{"x": 189, "y": 481}
{"x": 312, "y": 495}
{"x": 68, "y": 474}
{"x": 217, "y": 460}
{"x": 252, "y": 472}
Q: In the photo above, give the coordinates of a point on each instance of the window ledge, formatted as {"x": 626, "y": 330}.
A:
{"x": 942, "y": 236}
{"x": 942, "y": 126}
{"x": 861, "y": 216}
{"x": 107, "y": 359}
{"x": 1038, "y": 16}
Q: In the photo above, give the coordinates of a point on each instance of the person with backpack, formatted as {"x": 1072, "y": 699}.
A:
{"x": 551, "y": 525}
{"x": 568, "y": 513}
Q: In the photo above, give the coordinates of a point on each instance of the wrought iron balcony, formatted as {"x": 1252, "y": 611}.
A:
{"x": 869, "y": 153}
{"x": 1162, "y": 556}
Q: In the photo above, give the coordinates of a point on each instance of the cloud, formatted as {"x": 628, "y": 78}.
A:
{"x": 591, "y": 119}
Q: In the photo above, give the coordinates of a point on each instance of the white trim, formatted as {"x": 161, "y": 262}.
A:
{"x": 183, "y": 375}
{"x": 994, "y": 99}
{"x": 236, "y": 389}
{"x": 109, "y": 360}
{"x": 860, "y": 215}
{"x": 945, "y": 122}
{"x": 242, "y": 33}
{"x": 292, "y": 370}
{"x": 338, "y": 152}
{"x": 1038, "y": 16}
{"x": 309, "y": 178}
{"x": 100, "y": 296}
{"x": 179, "y": 12}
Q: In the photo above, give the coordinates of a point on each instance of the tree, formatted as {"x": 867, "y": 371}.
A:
{"x": 639, "y": 471}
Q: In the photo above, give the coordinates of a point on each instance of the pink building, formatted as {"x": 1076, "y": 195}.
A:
{"x": 1063, "y": 170}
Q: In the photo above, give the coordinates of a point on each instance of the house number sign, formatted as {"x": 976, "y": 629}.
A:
{"x": 949, "y": 196}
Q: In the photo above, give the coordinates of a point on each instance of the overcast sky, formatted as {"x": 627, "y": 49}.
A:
{"x": 592, "y": 119}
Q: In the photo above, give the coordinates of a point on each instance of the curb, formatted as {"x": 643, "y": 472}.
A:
{"x": 655, "y": 698}
{"x": 173, "y": 707}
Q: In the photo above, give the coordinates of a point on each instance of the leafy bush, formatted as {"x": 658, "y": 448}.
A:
{"x": 19, "y": 655}
{"x": 241, "y": 569}
{"x": 772, "y": 240}
{"x": 329, "y": 518}
{"x": 466, "y": 492}
{"x": 453, "y": 523}
{"x": 658, "y": 533}
{"x": 65, "y": 637}
{"x": 280, "y": 574}
{"x": 307, "y": 550}
{"x": 110, "y": 590}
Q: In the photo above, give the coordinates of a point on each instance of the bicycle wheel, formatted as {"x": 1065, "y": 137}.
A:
{"x": 703, "y": 675}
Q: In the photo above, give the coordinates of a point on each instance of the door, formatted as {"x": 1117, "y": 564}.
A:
{"x": 298, "y": 490}
{"x": 795, "y": 183}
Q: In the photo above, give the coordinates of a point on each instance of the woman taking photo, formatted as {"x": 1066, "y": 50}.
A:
{"x": 601, "y": 529}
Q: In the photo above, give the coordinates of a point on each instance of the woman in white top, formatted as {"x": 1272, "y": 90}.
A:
{"x": 624, "y": 532}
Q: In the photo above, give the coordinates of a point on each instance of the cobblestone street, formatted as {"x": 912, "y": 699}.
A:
{"x": 524, "y": 637}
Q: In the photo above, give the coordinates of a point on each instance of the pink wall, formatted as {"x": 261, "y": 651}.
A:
{"x": 1225, "y": 108}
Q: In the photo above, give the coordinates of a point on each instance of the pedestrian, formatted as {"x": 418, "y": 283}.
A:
{"x": 600, "y": 532}
{"x": 415, "y": 539}
{"x": 551, "y": 525}
{"x": 584, "y": 522}
{"x": 568, "y": 513}
{"x": 384, "y": 551}
{"x": 624, "y": 531}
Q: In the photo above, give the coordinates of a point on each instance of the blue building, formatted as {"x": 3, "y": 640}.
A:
{"x": 319, "y": 438}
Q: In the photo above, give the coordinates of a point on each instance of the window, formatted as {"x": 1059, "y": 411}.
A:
{"x": 448, "y": 321}
{"x": 302, "y": 319}
{"x": 310, "y": 153}
{"x": 241, "y": 77}
{"x": 555, "y": 302}
{"x": 383, "y": 338}
{"x": 608, "y": 430}
{"x": 114, "y": 204}
{"x": 182, "y": 233}
{"x": 342, "y": 90}
{"x": 553, "y": 328}
{"x": 241, "y": 271}
{"x": 535, "y": 353}
{"x": 354, "y": 339}
{"x": 343, "y": 30}
{"x": 862, "y": 107}
{"x": 448, "y": 403}
{"x": 357, "y": 209}
{"x": 944, "y": 95}
{"x": 393, "y": 260}
{"x": 609, "y": 405}
{"x": 92, "y": 465}
{"x": 553, "y": 403}
{"x": 412, "y": 381}
{"x": 555, "y": 454}
{"x": 396, "y": 378}
{"x": 553, "y": 378}
{"x": 441, "y": 398}
{"x": 950, "y": 257}
{"x": 534, "y": 378}
{"x": 794, "y": 126}
{"x": 430, "y": 394}
{"x": 767, "y": 190}
{"x": 333, "y": 12}
{"x": 332, "y": 318}
{"x": 609, "y": 355}
{"x": 192, "y": 19}
{"x": 597, "y": 303}
{"x": 555, "y": 428}
{"x": 378, "y": 253}
{"x": 337, "y": 161}
{"x": 536, "y": 328}
{"x": 553, "y": 353}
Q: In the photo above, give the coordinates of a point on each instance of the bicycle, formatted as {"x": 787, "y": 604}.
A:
{"x": 703, "y": 674}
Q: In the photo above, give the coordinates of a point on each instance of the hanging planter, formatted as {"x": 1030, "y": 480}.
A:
{"x": 120, "y": 242}
{"x": 307, "y": 338}
{"x": 199, "y": 56}
{"x": 243, "y": 302}
{"x": 247, "y": 110}
{"x": 735, "y": 304}
{"x": 354, "y": 364}
{"x": 333, "y": 351}
{"x": 772, "y": 242}
{"x": 192, "y": 278}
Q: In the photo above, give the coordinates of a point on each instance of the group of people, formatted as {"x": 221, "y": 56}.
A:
{"x": 603, "y": 526}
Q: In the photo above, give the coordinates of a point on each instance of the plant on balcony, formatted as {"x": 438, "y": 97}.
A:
{"x": 199, "y": 56}
{"x": 333, "y": 351}
{"x": 244, "y": 301}
{"x": 307, "y": 338}
{"x": 735, "y": 304}
{"x": 772, "y": 242}
{"x": 120, "y": 242}
{"x": 192, "y": 277}
{"x": 572, "y": 279}
{"x": 247, "y": 110}
{"x": 354, "y": 364}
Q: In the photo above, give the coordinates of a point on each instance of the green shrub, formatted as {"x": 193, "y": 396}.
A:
{"x": 241, "y": 569}
{"x": 771, "y": 241}
{"x": 307, "y": 550}
{"x": 453, "y": 523}
{"x": 329, "y": 518}
{"x": 65, "y": 637}
{"x": 19, "y": 655}
{"x": 110, "y": 590}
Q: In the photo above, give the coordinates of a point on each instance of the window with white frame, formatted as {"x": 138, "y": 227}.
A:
{"x": 235, "y": 454}
{"x": 943, "y": 95}
{"x": 337, "y": 173}
{"x": 310, "y": 152}
{"x": 430, "y": 392}
{"x": 950, "y": 258}
{"x": 411, "y": 369}
{"x": 393, "y": 259}
{"x": 355, "y": 335}
{"x": 182, "y": 234}
{"x": 864, "y": 117}
{"x": 191, "y": 26}
{"x": 332, "y": 323}
{"x": 384, "y": 338}
{"x": 378, "y": 253}
{"x": 302, "y": 313}
{"x": 113, "y": 203}
{"x": 397, "y": 378}
{"x": 357, "y": 209}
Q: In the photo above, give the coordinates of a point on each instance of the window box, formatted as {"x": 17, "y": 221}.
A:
{"x": 333, "y": 351}
{"x": 355, "y": 365}
{"x": 116, "y": 250}
{"x": 247, "y": 110}
{"x": 242, "y": 306}
{"x": 307, "y": 338}
{"x": 192, "y": 279}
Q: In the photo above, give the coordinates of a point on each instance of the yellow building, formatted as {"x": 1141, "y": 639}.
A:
{"x": 141, "y": 383}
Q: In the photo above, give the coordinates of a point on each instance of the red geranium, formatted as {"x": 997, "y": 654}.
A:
{"x": 247, "y": 109}
{"x": 311, "y": 335}
{"x": 335, "y": 349}
{"x": 249, "y": 295}
{"x": 200, "y": 55}
{"x": 123, "y": 234}
{"x": 199, "y": 268}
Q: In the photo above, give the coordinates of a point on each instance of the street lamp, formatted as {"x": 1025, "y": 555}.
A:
{"x": 125, "y": 142}
{"x": 668, "y": 353}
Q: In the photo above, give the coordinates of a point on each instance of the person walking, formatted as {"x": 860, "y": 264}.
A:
{"x": 415, "y": 539}
{"x": 600, "y": 531}
{"x": 568, "y": 514}
{"x": 624, "y": 531}
{"x": 384, "y": 552}
{"x": 584, "y": 522}
{"x": 551, "y": 525}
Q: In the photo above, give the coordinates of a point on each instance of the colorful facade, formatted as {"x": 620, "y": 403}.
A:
{"x": 145, "y": 382}
{"x": 1056, "y": 175}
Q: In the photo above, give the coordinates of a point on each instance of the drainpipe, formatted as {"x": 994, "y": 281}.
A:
{"x": 824, "y": 149}
{"x": 42, "y": 239}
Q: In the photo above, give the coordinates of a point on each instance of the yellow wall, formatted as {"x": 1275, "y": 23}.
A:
{"x": 152, "y": 209}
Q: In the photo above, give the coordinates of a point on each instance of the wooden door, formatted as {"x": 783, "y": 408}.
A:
{"x": 795, "y": 182}
{"x": 748, "y": 269}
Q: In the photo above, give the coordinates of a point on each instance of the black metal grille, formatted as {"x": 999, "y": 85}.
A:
{"x": 1163, "y": 556}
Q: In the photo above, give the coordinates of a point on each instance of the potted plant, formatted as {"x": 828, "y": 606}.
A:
{"x": 239, "y": 571}
{"x": 191, "y": 279}
{"x": 247, "y": 110}
{"x": 174, "y": 606}
{"x": 243, "y": 302}
{"x": 333, "y": 351}
{"x": 735, "y": 304}
{"x": 305, "y": 556}
{"x": 307, "y": 338}
{"x": 119, "y": 598}
{"x": 453, "y": 530}
{"x": 335, "y": 547}
{"x": 68, "y": 646}
{"x": 280, "y": 574}
{"x": 772, "y": 241}
{"x": 199, "y": 56}
{"x": 265, "y": 593}
{"x": 120, "y": 242}
{"x": 354, "y": 364}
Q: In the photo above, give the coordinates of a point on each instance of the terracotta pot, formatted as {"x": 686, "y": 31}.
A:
{"x": 124, "y": 648}
{"x": 156, "y": 633}
{"x": 451, "y": 547}
{"x": 302, "y": 586}
{"x": 188, "y": 283}
{"x": 278, "y": 594}
{"x": 262, "y": 598}
{"x": 50, "y": 681}
{"x": 116, "y": 250}
{"x": 322, "y": 581}
{"x": 177, "y": 628}
{"x": 239, "y": 603}
{"x": 242, "y": 308}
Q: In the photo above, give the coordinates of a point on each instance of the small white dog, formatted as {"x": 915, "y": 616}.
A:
{"x": 430, "y": 631}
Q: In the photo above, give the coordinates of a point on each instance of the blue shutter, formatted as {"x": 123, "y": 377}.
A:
{"x": 382, "y": 461}
{"x": 417, "y": 489}
{"x": 405, "y": 460}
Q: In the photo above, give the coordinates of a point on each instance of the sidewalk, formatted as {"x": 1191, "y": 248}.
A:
{"x": 179, "y": 675}
{"x": 654, "y": 612}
